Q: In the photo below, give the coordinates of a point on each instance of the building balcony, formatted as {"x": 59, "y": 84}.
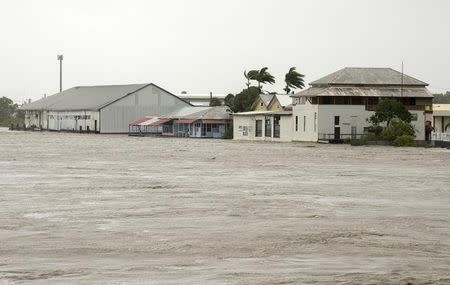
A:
{"x": 428, "y": 108}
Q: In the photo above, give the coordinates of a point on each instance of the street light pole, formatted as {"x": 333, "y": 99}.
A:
{"x": 60, "y": 57}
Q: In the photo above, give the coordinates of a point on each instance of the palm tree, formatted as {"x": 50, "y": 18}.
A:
{"x": 250, "y": 75}
{"x": 264, "y": 77}
{"x": 293, "y": 80}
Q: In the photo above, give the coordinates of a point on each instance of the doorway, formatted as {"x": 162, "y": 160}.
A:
{"x": 337, "y": 133}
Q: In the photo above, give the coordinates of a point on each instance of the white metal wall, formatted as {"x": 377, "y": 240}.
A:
{"x": 150, "y": 101}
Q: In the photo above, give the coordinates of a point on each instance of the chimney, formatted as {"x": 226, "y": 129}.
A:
{"x": 29, "y": 101}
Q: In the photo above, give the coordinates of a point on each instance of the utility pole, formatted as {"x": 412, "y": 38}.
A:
{"x": 60, "y": 57}
{"x": 401, "y": 88}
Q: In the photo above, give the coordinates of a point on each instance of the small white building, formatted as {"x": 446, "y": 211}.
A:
{"x": 338, "y": 105}
{"x": 441, "y": 118}
{"x": 103, "y": 109}
{"x": 263, "y": 126}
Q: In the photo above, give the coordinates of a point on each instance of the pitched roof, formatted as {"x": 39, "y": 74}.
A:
{"x": 284, "y": 99}
{"x": 381, "y": 91}
{"x": 86, "y": 97}
{"x": 367, "y": 76}
{"x": 266, "y": 98}
{"x": 253, "y": 113}
{"x": 219, "y": 112}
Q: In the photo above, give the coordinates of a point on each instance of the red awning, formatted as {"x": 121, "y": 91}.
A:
{"x": 213, "y": 121}
{"x": 160, "y": 122}
{"x": 139, "y": 121}
{"x": 185, "y": 121}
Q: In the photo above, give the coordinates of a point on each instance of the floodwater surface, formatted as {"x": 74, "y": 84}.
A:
{"x": 113, "y": 209}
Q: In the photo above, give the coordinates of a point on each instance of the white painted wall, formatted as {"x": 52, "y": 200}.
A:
{"x": 244, "y": 128}
{"x": 307, "y": 130}
{"x": 349, "y": 115}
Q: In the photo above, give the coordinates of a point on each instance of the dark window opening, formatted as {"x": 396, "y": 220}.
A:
{"x": 267, "y": 127}
{"x": 336, "y": 120}
{"x": 276, "y": 126}
{"x": 296, "y": 123}
{"x": 258, "y": 128}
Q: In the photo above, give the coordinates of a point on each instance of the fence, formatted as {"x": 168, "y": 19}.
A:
{"x": 444, "y": 137}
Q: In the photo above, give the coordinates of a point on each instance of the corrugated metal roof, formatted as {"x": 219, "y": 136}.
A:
{"x": 284, "y": 99}
{"x": 185, "y": 111}
{"x": 219, "y": 112}
{"x": 367, "y": 76}
{"x": 365, "y": 92}
{"x": 84, "y": 97}
{"x": 140, "y": 120}
{"x": 266, "y": 98}
{"x": 252, "y": 113}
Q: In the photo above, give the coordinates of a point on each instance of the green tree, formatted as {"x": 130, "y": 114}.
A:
{"x": 293, "y": 80}
{"x": 250, "y": 75}
{"x": 215, "y": 102}
{"x": 8, "y": 111}
{"x": 244, "y": 100}
{"x": 388, "y": 109}
{"x": 264, "y": 77}
{"x": 229, "y": 101}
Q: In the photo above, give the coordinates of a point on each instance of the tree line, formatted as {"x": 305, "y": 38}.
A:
{"x": 243, "y": 101}
{"x": 442, "y": 98}
{"x": 10, "y": 113}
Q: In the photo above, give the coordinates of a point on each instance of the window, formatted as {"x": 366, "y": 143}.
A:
{"x": 336, "y": 120}
{"x": 315, "y": 121}
{"x": 304, "y": 123}
{"x": 276, "y": 126}
{"x": 258, "y": 132}
{"x": 261, "y": 104}
{"x": 268, "y": 127}
{"x": 296, "y": 123}
{"x": 208, "y": 127}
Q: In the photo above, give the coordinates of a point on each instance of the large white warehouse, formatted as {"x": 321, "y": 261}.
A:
{"x": 103, "y": 109}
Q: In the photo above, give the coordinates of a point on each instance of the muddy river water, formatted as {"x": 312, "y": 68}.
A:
{"x": 113, "y": 209}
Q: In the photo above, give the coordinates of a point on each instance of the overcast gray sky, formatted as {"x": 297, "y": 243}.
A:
{"x": 201, "y": 46}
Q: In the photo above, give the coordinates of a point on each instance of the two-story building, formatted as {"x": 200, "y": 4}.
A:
{"x": 339, "y": 105}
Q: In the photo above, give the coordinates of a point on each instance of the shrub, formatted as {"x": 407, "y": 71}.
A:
{"x": 369, "y": 137}
{"x": 404, "y": 140}
{"x": 396, "y": 129}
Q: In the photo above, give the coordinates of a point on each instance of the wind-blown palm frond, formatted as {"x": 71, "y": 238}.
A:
{"x": 293, "y": 80}
{"x": 264, "y": 77}
{"x": 250, "y": 75}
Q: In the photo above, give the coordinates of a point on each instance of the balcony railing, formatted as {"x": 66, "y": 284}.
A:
{"x": 408, "y": 107}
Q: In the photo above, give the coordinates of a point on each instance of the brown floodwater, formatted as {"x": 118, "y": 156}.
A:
{"x": 113, "y": 209}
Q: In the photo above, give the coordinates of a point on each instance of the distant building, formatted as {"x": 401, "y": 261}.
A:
{"x": 197, "y": 122}
{"x": 103, "y": 109}
{"x": 338, "y": 105}
{"x": 272, "y": 102}
{"x": 441, "y": 118}
{"x": 201, "y": 99}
